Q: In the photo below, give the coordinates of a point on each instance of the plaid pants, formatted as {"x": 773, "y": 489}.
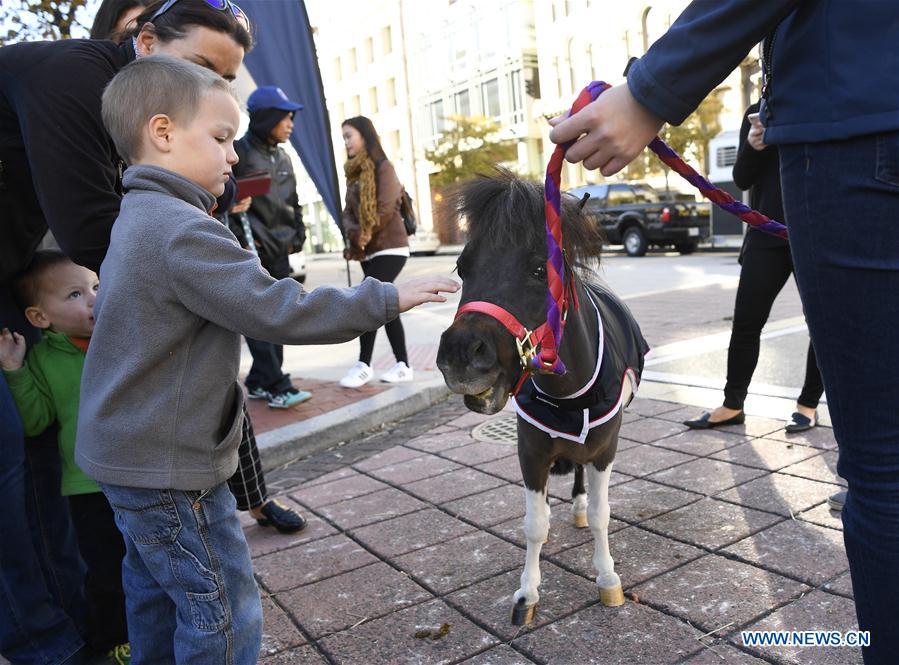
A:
{"x": 248, "y": 482}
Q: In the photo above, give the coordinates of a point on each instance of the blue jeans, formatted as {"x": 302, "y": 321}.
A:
{"x": 189, "y": 587}
{"x": 842, "y": 206}
{"x": 41, "y": 573}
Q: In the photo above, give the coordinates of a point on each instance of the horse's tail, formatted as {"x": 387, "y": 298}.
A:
{"x": 562, "y": 467}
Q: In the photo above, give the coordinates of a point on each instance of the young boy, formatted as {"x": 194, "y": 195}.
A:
{"x": 160, "y": 415}
{"x": 58, "y": 296}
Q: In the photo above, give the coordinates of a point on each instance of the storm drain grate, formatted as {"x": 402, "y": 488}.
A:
{"x": 498, "y": 430}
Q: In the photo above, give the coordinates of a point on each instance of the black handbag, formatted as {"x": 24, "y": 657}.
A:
{"x": 407, "y": 212}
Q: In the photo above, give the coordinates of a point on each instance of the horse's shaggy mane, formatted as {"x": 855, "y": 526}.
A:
{"x": 504, "y": 210}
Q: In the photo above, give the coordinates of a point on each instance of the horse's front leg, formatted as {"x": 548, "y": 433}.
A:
{"x": 598, "y": 513}
{"x": 536, "y": 530}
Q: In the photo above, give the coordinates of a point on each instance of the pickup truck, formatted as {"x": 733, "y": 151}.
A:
{"x": 639, "y": 217}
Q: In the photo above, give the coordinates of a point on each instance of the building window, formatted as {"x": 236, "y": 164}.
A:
{"x": 394, "y": 143}
{"x": 373, "y": 99}
{"x": 352, "y": 61}
{"x": 357, "y": 105}
{"x": 341, "y": 111}
{"x": 391, "y": 93}
{"x": 369, "y": 50}
{"x": 490, "y": 97}
{"x": 515, "y": 89}
{"x": 338, "y": 71}
{"x": 387, "y": 40}
{"x": 438, "y": 119}
{"x": 463, "y": 103}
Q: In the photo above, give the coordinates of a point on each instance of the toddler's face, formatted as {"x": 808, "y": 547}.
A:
{"x": 203, "y": 151}
{"x": 68, "y": 292}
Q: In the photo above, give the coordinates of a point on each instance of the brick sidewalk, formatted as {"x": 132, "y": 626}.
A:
{"x": 326, "y": 397}
{"x": 419, "y": 527}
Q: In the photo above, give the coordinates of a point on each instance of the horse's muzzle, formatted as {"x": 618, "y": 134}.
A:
{"x": 471, "y": 364}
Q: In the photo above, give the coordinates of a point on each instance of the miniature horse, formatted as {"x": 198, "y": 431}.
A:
{"x": 566, "y": 420}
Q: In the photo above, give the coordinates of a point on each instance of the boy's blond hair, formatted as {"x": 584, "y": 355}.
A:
{"x": 151, "y": 86}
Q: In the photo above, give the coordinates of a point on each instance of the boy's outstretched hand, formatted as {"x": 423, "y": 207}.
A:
{"x": 608, "y": 132}
{"x": 12, "y": 350}
{"x": 418, "y": 290}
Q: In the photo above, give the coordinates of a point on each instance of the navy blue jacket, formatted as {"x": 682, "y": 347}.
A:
{"x": 834, "y": 69}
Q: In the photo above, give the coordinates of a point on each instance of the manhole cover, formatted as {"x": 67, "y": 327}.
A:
{"x": 498, "y": 430}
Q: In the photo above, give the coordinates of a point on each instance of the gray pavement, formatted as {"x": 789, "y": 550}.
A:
{"x": 417, "y": 529}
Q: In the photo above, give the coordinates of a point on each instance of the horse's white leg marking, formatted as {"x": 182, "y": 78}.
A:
{"x": 579, "y": 511}
{"x": 598, "y": 515}
{"x": 536, "y": 529}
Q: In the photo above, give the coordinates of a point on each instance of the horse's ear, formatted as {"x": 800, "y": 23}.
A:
{"x": 583, "y": 201}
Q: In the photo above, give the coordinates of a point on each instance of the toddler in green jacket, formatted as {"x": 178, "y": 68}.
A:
{"x": 58, "y": 296}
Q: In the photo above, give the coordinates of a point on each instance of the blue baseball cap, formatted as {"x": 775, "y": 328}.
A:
{"x": 271, "y": 97}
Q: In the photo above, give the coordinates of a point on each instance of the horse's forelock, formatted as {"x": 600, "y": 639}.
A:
{"x": 503, "y": 209}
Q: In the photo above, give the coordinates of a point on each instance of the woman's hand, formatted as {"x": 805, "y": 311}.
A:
{"x": 756, "y": 136}
{"x": 609, "y": 132}
{"x": 12, "y": 350}
{"x": 418, "y": 290}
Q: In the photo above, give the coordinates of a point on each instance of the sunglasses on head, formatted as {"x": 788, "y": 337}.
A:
{"x": 220, "y": 5}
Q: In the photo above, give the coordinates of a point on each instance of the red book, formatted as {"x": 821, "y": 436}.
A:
{"x": 253, "y": 184}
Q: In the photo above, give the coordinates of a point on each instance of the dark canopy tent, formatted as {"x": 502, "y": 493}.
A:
{"x": 285, "y": 56}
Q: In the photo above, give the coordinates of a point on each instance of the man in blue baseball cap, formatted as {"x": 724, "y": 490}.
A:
{"x": 276, "y": 221}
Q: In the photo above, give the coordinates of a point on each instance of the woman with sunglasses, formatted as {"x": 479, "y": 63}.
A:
{"x": 248, "y": 483}
{"x": 59, "y": 169}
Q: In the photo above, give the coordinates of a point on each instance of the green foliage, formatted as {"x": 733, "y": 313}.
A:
{"x": 466, "y": 148}
{"x": 690, "y": 139}
{"x": 30, "y": 20}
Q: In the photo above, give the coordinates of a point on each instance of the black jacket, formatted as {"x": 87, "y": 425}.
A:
{"x": 59, "y": 166}
{"x": 278, "y": 211}
{"x": 759, "y": 172}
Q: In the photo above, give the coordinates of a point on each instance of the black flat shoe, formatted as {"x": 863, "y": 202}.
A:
{"x": 284, "y": 519}
{"x": 800, "y": 423}
{"x": 703, "y": 421}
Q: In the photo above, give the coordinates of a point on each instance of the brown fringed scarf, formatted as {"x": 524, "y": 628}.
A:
{"x": 361, "y": 168}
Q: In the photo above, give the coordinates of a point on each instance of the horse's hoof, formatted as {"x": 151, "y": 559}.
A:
{"x": 611, "y": 596}
{"x": 523, "y": 615}
{"x": 580, "y": 520}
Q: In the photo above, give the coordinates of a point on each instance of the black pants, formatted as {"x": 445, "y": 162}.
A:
{"x": 764, "y": 272}
{"x": 102, "y": 548}
{"x": 386, "y": 269}
{"x": 267, "y": 357}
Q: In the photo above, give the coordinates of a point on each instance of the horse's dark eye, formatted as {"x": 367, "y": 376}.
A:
{"x": 539, "y": 273}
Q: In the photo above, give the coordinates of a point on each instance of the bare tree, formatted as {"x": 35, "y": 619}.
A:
{"x": 29, "y": 20}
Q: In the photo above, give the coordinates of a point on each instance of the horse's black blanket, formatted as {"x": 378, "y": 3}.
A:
{"x": 621, "y": 349}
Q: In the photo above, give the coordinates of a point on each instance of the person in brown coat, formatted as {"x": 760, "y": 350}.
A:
{"x": 375, "y": 235}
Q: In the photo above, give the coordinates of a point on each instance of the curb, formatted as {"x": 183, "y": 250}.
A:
{"x": 286, "y": 444}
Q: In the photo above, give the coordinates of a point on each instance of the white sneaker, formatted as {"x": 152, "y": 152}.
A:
{"x": 399, "y": 373}
{"x": 358, "y": 375}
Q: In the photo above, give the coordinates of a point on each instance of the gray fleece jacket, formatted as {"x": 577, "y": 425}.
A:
{"x": 160, "y": 403}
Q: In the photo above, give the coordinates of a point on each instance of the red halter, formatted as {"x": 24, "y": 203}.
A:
{"x": 529, "y": 342}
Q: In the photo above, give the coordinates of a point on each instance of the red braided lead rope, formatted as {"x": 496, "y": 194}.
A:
{"x": 557, "y": 297}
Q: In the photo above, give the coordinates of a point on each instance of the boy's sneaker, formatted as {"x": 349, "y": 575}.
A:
{"x": 290, "y": 397}
{"x": 259, "y": 393}
{"x": 359, "y": 375}
{"x": 120, "y": 654}
{"x": 399, "y": 373}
